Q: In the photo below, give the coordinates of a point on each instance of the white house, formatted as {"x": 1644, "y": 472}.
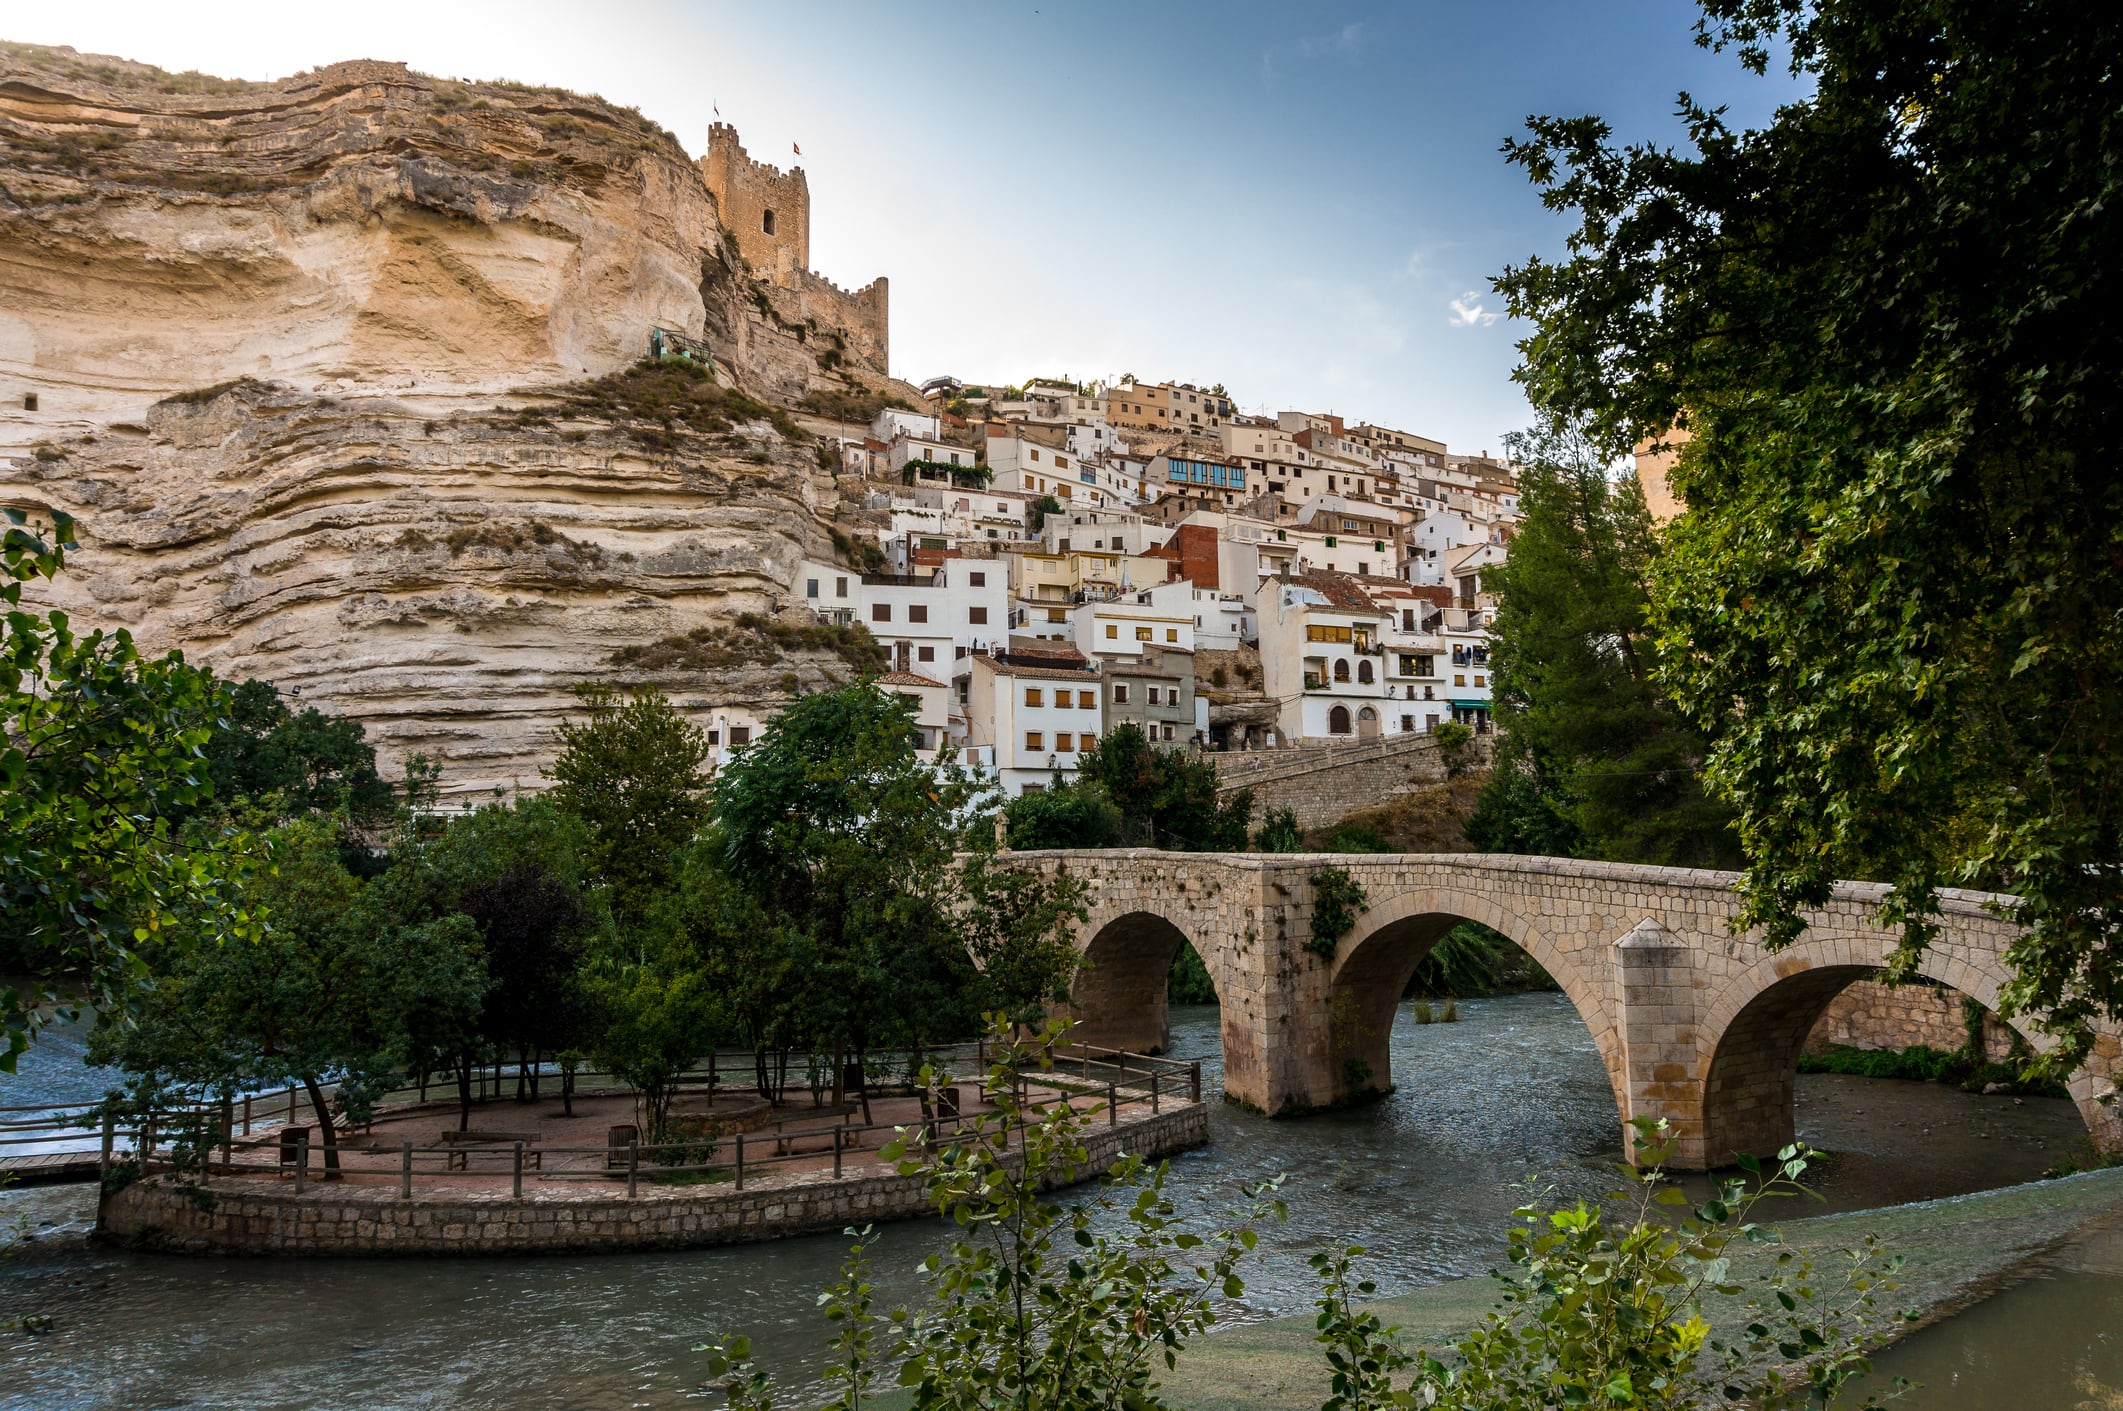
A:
{"x": 1030, "y": 715}
{"x": 1322, "y": 660}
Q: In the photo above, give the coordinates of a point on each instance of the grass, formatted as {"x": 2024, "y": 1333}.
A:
{"x": 655, "y": 403}
{"x": 1923, "y": 1064}
{"x": 505, "y": 537}
{"x": 754, "y": 640}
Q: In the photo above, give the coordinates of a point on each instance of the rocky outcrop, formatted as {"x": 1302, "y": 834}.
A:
{"x": 295, "y": 354}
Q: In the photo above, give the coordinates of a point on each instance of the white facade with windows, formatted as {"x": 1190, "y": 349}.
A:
{"x": 1027, "y": 724}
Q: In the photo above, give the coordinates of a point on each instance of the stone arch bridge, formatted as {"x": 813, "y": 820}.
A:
{"x": 1696, "y": 1024}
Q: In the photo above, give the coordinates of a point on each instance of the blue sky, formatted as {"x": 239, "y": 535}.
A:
{"x": 1304, "y": 202}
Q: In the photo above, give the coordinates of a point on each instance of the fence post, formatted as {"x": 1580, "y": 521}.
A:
{"x": 740, "y": 1161}
{"x": 1194, "y": 1080}
{"x": 110, "y": 1137}
{"x": 291, "y": 1107}
{"x": 246, "y": 1114}
{"x": 633, "y": 1163}
{"x": 302, "y": 1163}
{"x": 1112, "y": 1103}
{"x": 839, "y": 1133}
{"x": 516, "y": 1183}
{"x": 228, "y": 1133}
{"x": 146, "y": 1141}
{"x": 1157, "y": 1084}
{"x": 405, "y": 1172}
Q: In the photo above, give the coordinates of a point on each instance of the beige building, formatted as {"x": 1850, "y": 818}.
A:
{"x": 1653, "y": 465}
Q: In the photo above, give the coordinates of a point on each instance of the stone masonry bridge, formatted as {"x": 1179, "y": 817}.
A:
{"x": 1695, "y": 1024}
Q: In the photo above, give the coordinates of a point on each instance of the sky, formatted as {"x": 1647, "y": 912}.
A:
{"x": 1304, "y": 202}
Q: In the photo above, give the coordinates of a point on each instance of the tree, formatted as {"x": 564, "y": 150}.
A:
{"x": 635, "y": 773}
{"x": 304, "y": 761}
{"x": 334, "y": 990}
{"x": 1594, "y": 755}
{"x": 1877, "y": 331}
{"x": 1063, "y": 817}
{"x": 1166, "y": 798}
{"x": 1020, "y": 930}
{"x": 102, "y": 751}
{"x": 1279, "y": 832}
{"x": 1036, "y": 513}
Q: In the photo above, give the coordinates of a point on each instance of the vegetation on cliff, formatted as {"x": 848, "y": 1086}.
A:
{"x": 653, "y": 402}
{"x": 753, "y": 640}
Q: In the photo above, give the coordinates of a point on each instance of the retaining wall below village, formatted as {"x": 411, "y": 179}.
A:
{"x": 1872, "y": 1015}
{"x": 1324, "y": 784}
{"x": 263, "y": 1217}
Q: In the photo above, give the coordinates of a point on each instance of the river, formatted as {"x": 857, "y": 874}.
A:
{"x": 1511, "y": 1096}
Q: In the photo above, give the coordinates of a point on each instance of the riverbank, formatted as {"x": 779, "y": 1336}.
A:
{"x": 1956, "y": 1252}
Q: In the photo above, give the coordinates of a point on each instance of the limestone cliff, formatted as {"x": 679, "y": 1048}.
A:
{"x": 330, "y": 369}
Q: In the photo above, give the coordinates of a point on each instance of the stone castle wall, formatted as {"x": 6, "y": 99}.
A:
{"x": 1873, "y": 1015}
{"x": 861, "y": 318}
{"x": 746, "y": 191}
{"x": 1323, "y": 784}
{"x": 251, "y": 1217}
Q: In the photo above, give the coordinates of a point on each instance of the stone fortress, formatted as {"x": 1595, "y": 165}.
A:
{"x": 768, "y": 213}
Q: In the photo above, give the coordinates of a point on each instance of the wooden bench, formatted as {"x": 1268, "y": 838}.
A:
{"x": 785, "y": 1143}
{"x": 462, "y": 1145}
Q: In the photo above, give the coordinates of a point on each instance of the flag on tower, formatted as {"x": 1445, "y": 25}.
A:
{"x": 799, "y": 150}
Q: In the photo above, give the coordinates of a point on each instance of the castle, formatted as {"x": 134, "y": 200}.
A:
{"x": 768, "y": 213}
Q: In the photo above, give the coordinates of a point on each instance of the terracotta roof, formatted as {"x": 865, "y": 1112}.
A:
{"x": 1005, "y": 667}
{"x": 1341, "y": 590}
{"x": 909, "y": 678}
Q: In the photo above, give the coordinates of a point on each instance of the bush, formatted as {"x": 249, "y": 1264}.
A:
{"x": 1073, "y": 816}
{"x": 1337, "y": 900}
{"x": 1189, "y": 982}
{"x": 754, "y": 640}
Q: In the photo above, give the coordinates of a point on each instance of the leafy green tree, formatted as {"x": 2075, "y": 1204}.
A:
{"x": 1279, "y": 832}
{"x": 1594, "y": 754}
{"x": 334, "y": 990}
{"x": 635, "y": 772}
{"x": 102, "y": 752}
{"x": 1166, "y": 798}
{"x": 1877, "y": 329}
{"x": 1020, "y": 930}
{"x": 1062, "y": 816}
{"x": 1036, "y": 513}
{"x": 299, "y": 761}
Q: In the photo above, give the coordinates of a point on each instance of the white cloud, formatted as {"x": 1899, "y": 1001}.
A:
{"x": 1467, "y": 311}
{"x": 1342, "y": 41}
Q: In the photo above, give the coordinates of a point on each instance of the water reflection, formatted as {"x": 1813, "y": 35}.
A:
{"x": 1512, "y": 1094}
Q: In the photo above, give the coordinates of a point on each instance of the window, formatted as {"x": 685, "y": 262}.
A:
{"x": 1155, "y": 692}
{"x": 1172, "y": 634}
{"x": 880, "y": 612}
{"x": 1407, "y": 665}
{"x": 1035, "y": 788}
{"x": 740, "y": 734}
{"x": 1035, "y": 740}
{"x": 766, "y": 222}
{"x": 1363, "y": 671}
{"x": 1142, "y": 634}
{"x": 1168, "y": 729}
{"x": 1032, "y": 455}
{"x": 810, "y": 587}
{"x": 977, "y": 580}
{"x": 1321, "y": 632}
{"x": 715, "y": 737}
{"x": 977, "y": 616}
{"x": 1459, "y": 680}
{"x": 1338, "y": 721}
{"x": 1035, "y": 696}
{"x": 1058, "y": 615}
{"x": 1061, "y": 700}
{"x": 1425, "y": 666}
{"x": 1481, "y": 680}
{"x": 925, "y": 653}
{"x": 1120, "y": 693}
{"x": 1112, "y": 632}
{"x": 840, "y": 587}
{"x": 1407, "y": 725}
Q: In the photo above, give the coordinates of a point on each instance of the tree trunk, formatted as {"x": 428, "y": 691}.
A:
{"x": 861, "y": 1060}
{"x": 464, "y": 1095}
{"x": 567, "y": 1091}
{"x": 537, "y": 1062}
{"x": 325, "y": 1126}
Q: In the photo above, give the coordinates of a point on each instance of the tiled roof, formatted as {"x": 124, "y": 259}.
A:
{"x": 909, "y": 678}
{"x": 1339, "y": 589}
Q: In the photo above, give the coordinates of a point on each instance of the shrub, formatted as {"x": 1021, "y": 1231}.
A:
{"x": 1337, "y": 900}
{"x": 753, "y": 640}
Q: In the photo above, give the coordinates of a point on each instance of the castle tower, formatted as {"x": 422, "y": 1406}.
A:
{"x": 768, "y": 210}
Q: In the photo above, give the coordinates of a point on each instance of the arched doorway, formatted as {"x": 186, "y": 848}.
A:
{"x": 1367, "y": 724}
{"x": 1338, "y": 721}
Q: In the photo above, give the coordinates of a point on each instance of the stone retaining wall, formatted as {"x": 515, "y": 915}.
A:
{"x": 254, "y": 1217}
{"x": 1872, "y": 1015}
{"x": 1323, "y": 784}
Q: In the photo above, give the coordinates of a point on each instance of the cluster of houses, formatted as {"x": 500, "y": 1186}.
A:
{"x": 1060, "y": 558}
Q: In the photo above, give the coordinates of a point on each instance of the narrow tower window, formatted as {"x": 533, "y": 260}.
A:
{"x": 766, "y": 222}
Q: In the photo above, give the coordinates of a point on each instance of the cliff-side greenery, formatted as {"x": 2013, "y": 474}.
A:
{"x": 754, "y": 640}
{"x": 1876, "y": 328}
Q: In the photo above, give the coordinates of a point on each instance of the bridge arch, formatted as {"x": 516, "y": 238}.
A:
{"x": 1372, "y": 968}
{"x": 1118, "y": 994}
{"x": 1754, "y": 1026}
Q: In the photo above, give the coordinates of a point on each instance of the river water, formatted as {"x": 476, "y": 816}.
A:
{"x": 1512, "y": 1095}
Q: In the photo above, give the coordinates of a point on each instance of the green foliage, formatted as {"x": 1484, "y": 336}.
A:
{"x": 1021, "y": 932}
{"x": 753, "y": 640}
{"x": 1279, "y": 832}
{"x": 634, "y": 772}
{"x": 1189, "y": 982}
{"x": 966, "y": 476}
{"x": 1354, "y": 837}
{"x": 1594, "y": 757}
{"x": 1895, "y": 602}
{"x": 1470, "y": 959}
{"x": 334, "y": 989}
{"x": 292, "y": 762}
{"x": 1129, "y": 793}
{"x": 654, "y": 402}
{"x": 1918, "y": 1063}
{"x": 101, "y": 752}
{"x": 1034, "y": 1304}
{"x": 1036, "y": 513}
{"x": 1455, "y": 742}
{"x": 1337, "y": 900}
{"x": 1611, "y": 1308}
{"x": 1063, "y": 816}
